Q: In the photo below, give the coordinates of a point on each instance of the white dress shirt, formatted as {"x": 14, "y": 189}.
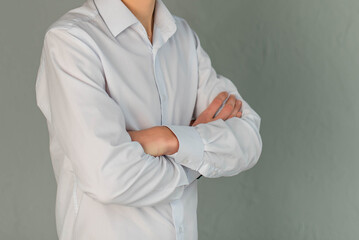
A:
{"x": 100, "y": 76}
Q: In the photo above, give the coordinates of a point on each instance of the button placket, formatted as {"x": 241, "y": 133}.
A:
{"x": 161, "y": 87}
{"x": 158, "y": 83}
{"x": 177, "y": 213}
{"x": 154, "y": 47}
{"x": 177, "y": 205}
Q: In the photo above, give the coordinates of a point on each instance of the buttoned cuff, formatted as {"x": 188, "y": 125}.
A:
{"x": 191, "y": 146}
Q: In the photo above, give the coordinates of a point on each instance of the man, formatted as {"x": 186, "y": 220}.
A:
{"x": 119, "y": 83}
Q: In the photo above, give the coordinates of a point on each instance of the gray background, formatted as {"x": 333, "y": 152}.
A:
{"x": 295, "y": 61}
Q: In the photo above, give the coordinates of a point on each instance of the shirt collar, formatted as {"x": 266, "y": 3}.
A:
{"x": 118, "y": 16}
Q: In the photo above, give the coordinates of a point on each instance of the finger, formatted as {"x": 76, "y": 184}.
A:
{"x": 216, "y": 104}
{"x": 236, "y": 108}
{"x": 227, "y": 109}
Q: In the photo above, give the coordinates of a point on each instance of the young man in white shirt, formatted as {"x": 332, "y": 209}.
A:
{"x": 136, "y": 113}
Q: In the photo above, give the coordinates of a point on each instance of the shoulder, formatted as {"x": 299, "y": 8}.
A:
{"x": 78, "y": 23}
{"x": 182, "y": 24}
{"x": 184, "y": 27}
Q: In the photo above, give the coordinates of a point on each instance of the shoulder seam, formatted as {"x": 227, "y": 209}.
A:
{"x": 69, "y": 23}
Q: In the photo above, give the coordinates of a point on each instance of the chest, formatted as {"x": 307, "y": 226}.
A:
{"x": 152, "y": 86}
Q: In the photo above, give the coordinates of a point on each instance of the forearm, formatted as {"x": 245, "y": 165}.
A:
{"x": 156, "y": 141}
{"x": 160, "y": 140}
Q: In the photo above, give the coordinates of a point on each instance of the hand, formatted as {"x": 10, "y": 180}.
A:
{"x": 156, "y": 141}
{"x": 229, "y": 110}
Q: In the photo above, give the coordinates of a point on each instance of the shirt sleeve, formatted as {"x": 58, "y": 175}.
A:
{"x": 90, "y": 127}
{"x": 221, "y": 147}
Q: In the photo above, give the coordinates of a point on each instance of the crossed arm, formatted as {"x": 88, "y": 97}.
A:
{"x": 160, "y": 140}
{"x": 109, "y": 165}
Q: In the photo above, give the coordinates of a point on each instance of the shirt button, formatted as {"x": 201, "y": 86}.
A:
{"x": 180, "y": 229}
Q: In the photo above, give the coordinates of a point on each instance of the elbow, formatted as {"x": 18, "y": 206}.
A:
{"x": 102, "y": 193}
{"x": 242, "y": 157}
{"x": 107, "y": 191}
{"x": 258, "y": 146}
{"x": 254, "y": 148}
{"x": 253, "y": 158}
{"x": 248, "y": 148}
{"x": 246, "y": 158}
{"x": 256, "y": 153}
{"x": 122, "y": 195}
{"x": 104, "y": 196}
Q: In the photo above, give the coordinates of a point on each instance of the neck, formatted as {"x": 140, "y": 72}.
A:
{"x": 143, "y": 10}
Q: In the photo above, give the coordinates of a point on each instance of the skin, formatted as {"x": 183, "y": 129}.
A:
{"x": 160, "y": 140}
{"x": 143, "y": 10}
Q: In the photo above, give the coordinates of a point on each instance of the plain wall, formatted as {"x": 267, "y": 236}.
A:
{"x": 296, "y": 62}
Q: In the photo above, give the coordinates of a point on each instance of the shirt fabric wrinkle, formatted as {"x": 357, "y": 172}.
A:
{"x": 99, "y": 77}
